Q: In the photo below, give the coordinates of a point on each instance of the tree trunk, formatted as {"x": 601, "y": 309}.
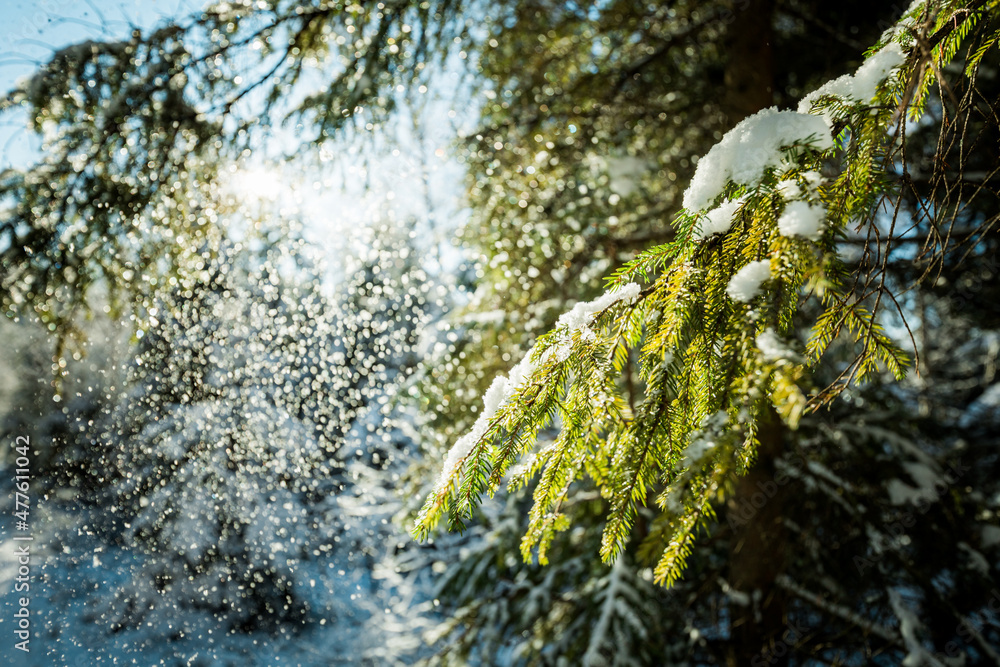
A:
{"x": 757, "y": 555}
{"x": 749, "y": 75}
{"x": 755, "y": 511}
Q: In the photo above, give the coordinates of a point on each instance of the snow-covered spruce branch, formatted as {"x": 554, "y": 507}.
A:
{"x": 758, "y": 236}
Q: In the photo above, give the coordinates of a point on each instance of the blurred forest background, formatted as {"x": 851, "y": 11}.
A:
{"x": 260, "y": 259}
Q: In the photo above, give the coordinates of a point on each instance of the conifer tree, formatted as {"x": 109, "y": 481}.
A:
{"x": 714, "y": 330}
{"x": 687, "y": 389}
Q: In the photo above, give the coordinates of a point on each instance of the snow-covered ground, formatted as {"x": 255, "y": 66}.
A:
{"x": 363, "y": 612}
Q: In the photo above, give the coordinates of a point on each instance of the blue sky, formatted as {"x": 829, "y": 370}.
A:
{"x": 333, "y": 201}
{"x": 31, "y": 30}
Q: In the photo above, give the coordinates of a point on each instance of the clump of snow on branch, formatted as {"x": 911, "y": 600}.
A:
{"x": 926, "y": 490}
{"x": 802, "y": 219}
{"x": 494, "y": 396}
{"x": 757, "y": 142}
{"x": 719, "y": 219}
{"x": 984, "y": 411}
{"x": 772, "y": 348}
{"x": 789, "y": 189}
{"x": 909, "y": 623}
{"x": 813, "y": 179}
{"x": 750, "y": 148}
{"x": 612, "y": 605}
{"x": 460, "y": 450}
{"x": 582, "y": 313}
{"x": 705, "y": 440}
{"x": 745, "y": 283}
{"x": 863, "y": 84}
